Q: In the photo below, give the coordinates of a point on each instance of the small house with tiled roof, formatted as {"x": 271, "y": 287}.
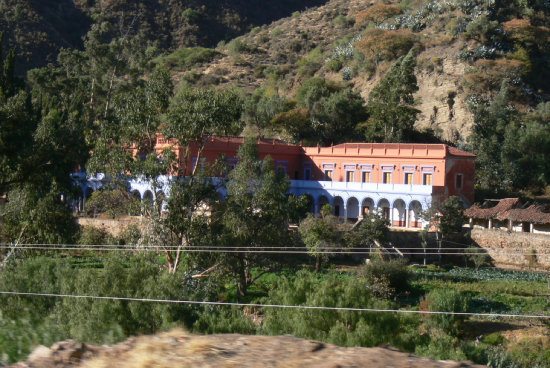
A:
{"x": 510, "y": 214}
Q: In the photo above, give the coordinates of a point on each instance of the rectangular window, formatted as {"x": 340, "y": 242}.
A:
{"x": 281, "y": 170}
{"x": 458, "y": 181}
{"x": 408, "y": 178}
{"x": 366, "y": 177}
{"x": 307, "y": 174}
{"x": 427, "y": 179}
{"x": 328, "y": 175}
{"x": 350, "y": 176}
{"x": 386, "y": 178}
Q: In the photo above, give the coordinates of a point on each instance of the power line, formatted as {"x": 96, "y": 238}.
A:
{"x": 198, "y": 302}
{"x": 330, "y": 251}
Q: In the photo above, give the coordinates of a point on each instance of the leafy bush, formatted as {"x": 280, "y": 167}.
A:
{"x": 333, "y": 65}
{"x": 343, "y": 21}
{"x": 191, "y": 15}
{"x": 185, "y": 58}
{"x": 94, "y": 320}
{"x": 113, "y": 203}
{"x": 90, "y": 235}
{"x": 19, "y": 336}
{"x": 446, "y": 300}
{"x": 377, "y": 13}
{"x": 237, "y": 46}
{"x": 308, "y": 65}
{"x": 340, "y": 327}
{"x": 224, "y": 320}
{"x": 393, "y": 275}
{"x": 382, "y": 44}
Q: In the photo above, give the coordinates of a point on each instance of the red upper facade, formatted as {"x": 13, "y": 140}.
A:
{"x": 449, "y": 170}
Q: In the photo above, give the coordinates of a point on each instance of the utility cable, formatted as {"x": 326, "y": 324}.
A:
{"x": 310, "y": 307}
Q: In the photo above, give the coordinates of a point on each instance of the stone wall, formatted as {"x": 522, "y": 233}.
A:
{"x": 515, "y": 250}
{"x": 111, "y": 226}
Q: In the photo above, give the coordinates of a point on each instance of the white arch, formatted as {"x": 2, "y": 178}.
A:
{"x": 338, "y": 206}
{"x": 415, "y": 209}
{"x": 367, "y": 206}
{"x": 352, "y": 208}
{"x": 383, "y": 208}
{"x": 399, "y": 211}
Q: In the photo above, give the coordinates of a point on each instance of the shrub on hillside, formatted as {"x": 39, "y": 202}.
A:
{"x": 346, "y": 328}
{"x": 386, "y": 278}
{"x": 185, "y": 58}
{"x": 380, "y": 44}
{"x": 377, "y": 14}
{"x": 90, "y": 235}
{"x": 446, "y": 300}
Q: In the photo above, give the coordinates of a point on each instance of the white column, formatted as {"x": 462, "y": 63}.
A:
{"x": 407, "y": 216}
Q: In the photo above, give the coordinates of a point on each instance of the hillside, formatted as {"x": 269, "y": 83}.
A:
{"x": 455, "y": 59}
{"x": 38, "y": 29}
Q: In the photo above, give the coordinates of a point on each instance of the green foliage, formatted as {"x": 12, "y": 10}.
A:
{"x": 19, "y": 336}
{"x": 261, "y": 107}
{"x": 224, "y": 320}
{"x": 510, "y": 149}
{"x": 387, "y": 278}
{"x": 237, "y": 46}
{"x": 334, "y": 111}
{"x": 191, "y": 15}
{"x": 187, "y": 57}
{"x": 477, "y": 256}
{"x": 113, "y": 203}
{"x": 343, "y": 21}
{"x": 96, "y": 320}
{"x": 339, "y": 327}
{"x": 90, "y": 235}
{"x": 448, "y": 301}
{"x": 373, "y": 228}
{"x": 257, "y": 213}
{"x": 31, "y": 218}
{"x": 390, "y": 105}
{"x": 319, "y": 234}
{"x": 308, "y": 65}
{"x": 334, "y": 65}
{"x": 195, "y": 115}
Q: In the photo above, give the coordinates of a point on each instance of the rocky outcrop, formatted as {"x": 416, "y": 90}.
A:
{"x": 180, "y": 349}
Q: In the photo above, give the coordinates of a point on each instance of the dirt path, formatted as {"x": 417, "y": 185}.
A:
{"x": 180, "y": 349}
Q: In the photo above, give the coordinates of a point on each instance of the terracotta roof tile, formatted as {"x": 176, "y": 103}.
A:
{"x": 453, "y": 151}
{"x": 485, "y": 212}
{"x": 509, "y": 209}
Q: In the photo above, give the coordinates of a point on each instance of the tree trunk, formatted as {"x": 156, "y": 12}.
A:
{"x": 242, "y": 284}
{"x": 317, "y": 264}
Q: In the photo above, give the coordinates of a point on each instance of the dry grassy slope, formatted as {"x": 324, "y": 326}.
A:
{"x": 179, "y": 349}
{"x": 276, "y": 46}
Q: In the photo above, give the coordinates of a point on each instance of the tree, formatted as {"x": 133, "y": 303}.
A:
{"x": 257, "y": 215}
{"x": 494, "y": 142}
{"x": 334, "y": 112}
{"x": 390, "y": 104}
{"x": 194, "y": 116}
{"x": 373, "y": 230}
{"x": 444, "y": 218}
{"x": 319, "y": 234}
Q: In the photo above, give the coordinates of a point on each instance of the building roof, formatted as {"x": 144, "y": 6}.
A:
{"x": 510, "y": 209}
{"x": 453, "y": 151}
{"x": 419, "y": 150}
{"x": 491, "y": 208}
{"x": 535, "y": 213}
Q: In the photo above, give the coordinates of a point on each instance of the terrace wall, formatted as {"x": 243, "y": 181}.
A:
{"x": 514, "y": 250}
